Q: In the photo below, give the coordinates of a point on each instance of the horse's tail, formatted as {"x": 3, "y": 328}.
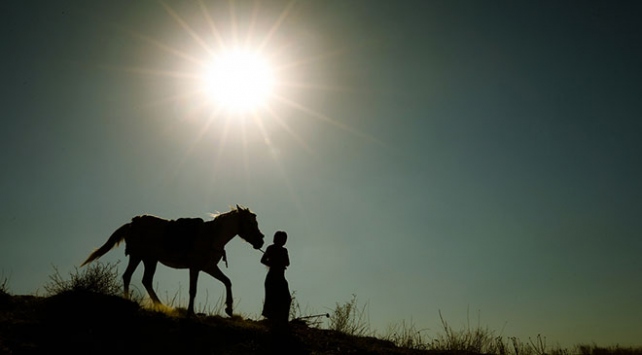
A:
{"x": 115, "y": 239}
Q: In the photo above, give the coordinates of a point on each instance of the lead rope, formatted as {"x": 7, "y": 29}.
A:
{"x": 225, "y": 259}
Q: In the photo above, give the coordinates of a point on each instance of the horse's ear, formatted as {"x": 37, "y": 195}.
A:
{"x": 240, "y": 208}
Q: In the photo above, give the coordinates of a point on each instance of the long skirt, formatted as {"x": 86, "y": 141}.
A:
{"x": 277, "y": 297}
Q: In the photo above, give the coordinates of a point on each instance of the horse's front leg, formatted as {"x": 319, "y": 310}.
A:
{"x": 218, "y": 274}
{"x": 193, "y": 278}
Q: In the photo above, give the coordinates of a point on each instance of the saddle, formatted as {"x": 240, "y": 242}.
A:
{"x": 180, "y": 234}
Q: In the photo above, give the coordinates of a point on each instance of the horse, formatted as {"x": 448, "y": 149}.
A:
{"x": 185, "y": 243}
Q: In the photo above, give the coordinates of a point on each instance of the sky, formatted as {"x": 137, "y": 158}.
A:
{"x": 475, "y": 158}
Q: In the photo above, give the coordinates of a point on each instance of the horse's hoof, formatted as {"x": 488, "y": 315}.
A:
{"x": 228, "y": 311}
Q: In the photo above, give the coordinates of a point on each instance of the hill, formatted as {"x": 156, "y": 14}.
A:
{"x": 93, "y": 323}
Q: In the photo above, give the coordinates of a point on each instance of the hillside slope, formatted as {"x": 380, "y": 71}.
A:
{"x": 89, "y": 323}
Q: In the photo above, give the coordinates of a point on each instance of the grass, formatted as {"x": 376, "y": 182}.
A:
{"x": 98, "y": 277}
{"x": 4, "y": 289}
{"x": 352, "y": 319}
{"x": 348, "y": 318}
{"x": 406, "y": 335}
{"x": 614, "y": 350}
{"x": 177, "y": 301}
{"x": 4, "y": 284}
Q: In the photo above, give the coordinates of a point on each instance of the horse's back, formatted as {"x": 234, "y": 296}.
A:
{"x": 181, "y": 234}
{"x": 160, "y": 238}
{"x": 148, "y": 218}
{"x": 184, "y": 226}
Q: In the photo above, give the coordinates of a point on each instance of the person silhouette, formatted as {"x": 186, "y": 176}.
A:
{"x": 277, "y": 292}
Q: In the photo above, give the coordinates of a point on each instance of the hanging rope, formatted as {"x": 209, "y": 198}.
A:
{"x": 225, "y": 259}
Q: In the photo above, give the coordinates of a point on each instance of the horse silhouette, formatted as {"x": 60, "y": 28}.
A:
{"x": 185, "y": 243}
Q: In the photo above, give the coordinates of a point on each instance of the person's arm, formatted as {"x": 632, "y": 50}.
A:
{"x": 265, "y": 259}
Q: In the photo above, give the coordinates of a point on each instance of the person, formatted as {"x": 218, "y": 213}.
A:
{"x": 277, "y": 292}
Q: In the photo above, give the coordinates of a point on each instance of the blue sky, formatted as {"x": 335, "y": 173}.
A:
{"x": 453, "y": 156}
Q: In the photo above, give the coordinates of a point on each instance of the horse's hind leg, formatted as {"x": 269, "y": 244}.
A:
{"x": 218, "y": 274}
{"x": 193, "y": 278}
{"x": 148, "y": 279}
{"x": 127, "y": 275}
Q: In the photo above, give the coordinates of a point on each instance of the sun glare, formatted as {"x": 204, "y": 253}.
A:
{"x": 238, "y": 78}
{"x": 239, "y": 81}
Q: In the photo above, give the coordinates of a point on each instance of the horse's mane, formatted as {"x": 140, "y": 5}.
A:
{"x": 233, "y": 209}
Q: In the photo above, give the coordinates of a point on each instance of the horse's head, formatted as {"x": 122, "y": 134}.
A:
{"x": 249, "y": 227}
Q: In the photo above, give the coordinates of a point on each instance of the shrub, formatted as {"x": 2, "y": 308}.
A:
{"x": 613, "y": 350}
{"x": 96, "y": 278}
{"x": 310, "y": 319}
{"x": 4, "y": 285}
{"x": 350, "y": 319}
{"x": 474, "y": 340}
{"x": 4, "y": 292}
{"x": 406, "y": 335}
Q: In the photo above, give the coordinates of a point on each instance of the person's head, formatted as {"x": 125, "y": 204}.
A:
{"x": 280, "y": 237}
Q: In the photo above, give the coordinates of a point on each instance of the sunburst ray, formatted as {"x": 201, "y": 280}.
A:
{"x": 187, "y": 28}
{"x": 277, "y": 24}
{"x": 215, "y": 31}
{"x": 153, "y": 72}
{"x": 288, "y": 129}
{"x": 164, "y": 47}
{"x": 327, "y": 119}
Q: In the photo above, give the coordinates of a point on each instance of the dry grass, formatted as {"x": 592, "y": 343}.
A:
{"x": 613, "y": 350}
{"x": 4, "y": 293}
{"x": 470, "y": 339}
{"x": 406, "y": 335}
{"x": 4, "y": 284}
{"x": 348, "y": 318}
{"x": 97, "y": 277}
{"x": 481, "y": 340}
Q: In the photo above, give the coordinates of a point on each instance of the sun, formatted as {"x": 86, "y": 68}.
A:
{"x": 243, "y": 73}
{"x": 240, "y": 75}
{"x": 239, "y": 81}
